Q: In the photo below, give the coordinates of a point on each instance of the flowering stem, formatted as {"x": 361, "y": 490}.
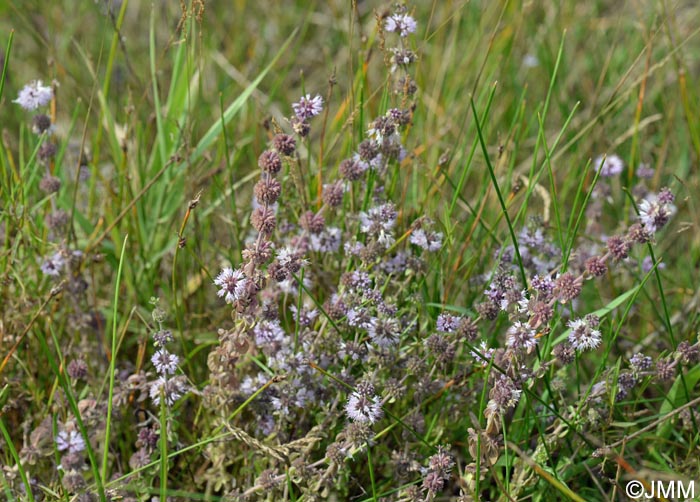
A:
{"x": 163, "y": 445}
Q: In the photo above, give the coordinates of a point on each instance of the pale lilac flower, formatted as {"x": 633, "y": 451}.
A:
{"x": 71, "y": 441}
{"x": 52, "y": 266}
{"x": 377, "y": 219}
{"x": 165, "y": 362}
{"x": 403, "y": 24}
{"x": 364, "y": 408}
{"x": 431, "y": 241}
{"x": 233, "y": 284}
{"x": 448, "y": 323}
{"x": 327, "y": 241}
{"x": 308, "y": 107}
{"x": 33, "y": 95}
{"x": 608, "y": 165}
{"x": 645, "y": 172}
{"x": 648, "y": 264}
{"x": 268, "y": 332}
{"x": 305, "y": 316}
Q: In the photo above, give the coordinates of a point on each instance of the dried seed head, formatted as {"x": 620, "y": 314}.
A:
{"x": 285, "y": 144}
{"x": 77, "y": 369}
{"x": 270, "y": 162}
{"x": 267, "y": 190}
{"x": 566, "y": 287}
{"x": 351, "y": 170}
{"x": 564, "y": 353}
{"x": 638, "y": 234}
{"x": 596, "y": 266}
{"x": 619, "y": 247}
{"x": 41, "y": 123}
{"x": 47, "y": 151}
{"x": 50, "y": 184}
{"x": 312, "y": 222}
{"x": 333, "y": 194}
{"x": 264, "y": 220}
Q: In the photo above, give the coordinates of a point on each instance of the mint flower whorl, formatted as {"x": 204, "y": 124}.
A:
{"x": 308, "y": 106}
{"x": 33, "y": 95}
{"x": 233, "y": 284}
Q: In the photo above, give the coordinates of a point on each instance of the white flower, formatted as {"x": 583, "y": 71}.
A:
{"x": 530, "y": 61}
{"x": 521, "y": 337}
{"x": 362, "y": 408}
{"x": 583, "y": 336}
{"x": 33, "y": 95}
{"x": 233, "y": 284}
{"x": 385, "y": 332}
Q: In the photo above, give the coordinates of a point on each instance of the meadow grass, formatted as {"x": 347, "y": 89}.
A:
{"x": 495, "y": 299}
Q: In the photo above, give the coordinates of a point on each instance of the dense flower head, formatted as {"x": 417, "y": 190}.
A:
{"x": 268, "y": 332}
{"x": 333, "y": 194}
{"x": 384, "y": 331}
{"x": 521, "y": 337}
{"x": 504, "y": 395}
{"x": 77, "y": 369}
{"x": 430, "y": 241}
{"x": 403, "y": 24}
{"x": 285, "y": 144}
{"x": 70, "y": 441}
{"x": 583, "y": 334}
{"x": 233, "y": 284}
{"x": 165, "y": 362}
{"x": 267, "y": 190}
{"x": 656, "y": 210}
{"x": 162, "y": 337}
{"x": 448, "y": 323}
{"x": 567, "y": 287}
{"x": 33, "y": 95}
{"x": 270, "y": 162}
{"x": 53, "y": 265}
{"x": 41, "y": 123}
{"x": 364, "y": 408}
{"x": 611, "y": 165}
{"x": 326, "y": 241}
{"x": 172, "y": 388}
{"x": 352, "y": 169}
{"x": 308, "y": 106}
